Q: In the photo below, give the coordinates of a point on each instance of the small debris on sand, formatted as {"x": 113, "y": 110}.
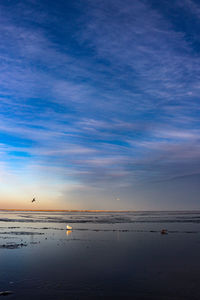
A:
{"x": 6, "y": 293}
{"x": 22, "y": 233}
{"x": 12, "y": 246}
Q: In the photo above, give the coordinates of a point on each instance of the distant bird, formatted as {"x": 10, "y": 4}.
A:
{"x": 33, "y": 200}
{"x": 69, "y": 227}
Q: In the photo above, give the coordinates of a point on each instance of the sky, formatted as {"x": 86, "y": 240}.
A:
{"x": 99, "y": 104}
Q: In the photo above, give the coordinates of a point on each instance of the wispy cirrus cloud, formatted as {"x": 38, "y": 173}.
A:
{"x": 109, "y": 99}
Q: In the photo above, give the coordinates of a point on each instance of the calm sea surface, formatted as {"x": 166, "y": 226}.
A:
{"x": 104, "y": 256}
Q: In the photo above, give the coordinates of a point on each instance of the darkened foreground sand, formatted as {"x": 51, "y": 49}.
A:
{"x": 104, "y": 256}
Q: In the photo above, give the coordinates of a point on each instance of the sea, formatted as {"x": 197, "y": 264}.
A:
{"x": 105, "y": 255}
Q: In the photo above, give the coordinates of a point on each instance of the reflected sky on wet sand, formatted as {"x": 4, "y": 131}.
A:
{"x": 103, "y": 256}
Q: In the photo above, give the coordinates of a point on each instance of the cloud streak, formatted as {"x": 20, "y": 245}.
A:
{"x": 108, "y": 100}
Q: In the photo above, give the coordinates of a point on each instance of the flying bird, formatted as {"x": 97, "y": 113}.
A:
{"x": 33, "y": 200}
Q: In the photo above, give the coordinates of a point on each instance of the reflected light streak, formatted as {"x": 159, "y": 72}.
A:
{"x": 68, "y": 232}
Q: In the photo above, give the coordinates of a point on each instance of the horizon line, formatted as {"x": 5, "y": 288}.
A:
{"x": 65, "y": 210}
{"x": 92, "y": 210}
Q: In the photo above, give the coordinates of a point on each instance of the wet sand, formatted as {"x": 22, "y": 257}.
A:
{"x": 104, "y": 256}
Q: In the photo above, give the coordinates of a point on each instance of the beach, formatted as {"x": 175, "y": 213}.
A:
{"x": 106, "y": 255}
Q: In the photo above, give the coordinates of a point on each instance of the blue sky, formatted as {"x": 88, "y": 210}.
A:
{"x": 99, "y": 104}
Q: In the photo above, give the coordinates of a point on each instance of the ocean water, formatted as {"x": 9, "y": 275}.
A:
{"x": 106, "y": 255}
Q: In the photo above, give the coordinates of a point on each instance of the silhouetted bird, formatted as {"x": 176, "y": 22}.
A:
{"x": 33, "y": 200}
